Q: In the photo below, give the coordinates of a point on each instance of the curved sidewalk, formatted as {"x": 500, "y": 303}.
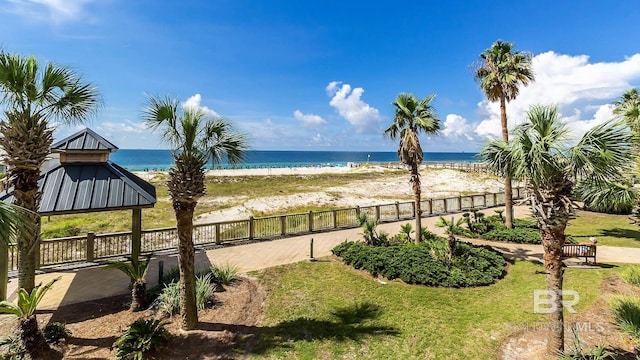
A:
{"x": 85, "y": 284}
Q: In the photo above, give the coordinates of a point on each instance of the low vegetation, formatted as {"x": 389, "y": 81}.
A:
{"x": 392, "y": 320}
{"x": 429, "y": 263}
{"x": 632, "y": 275}
{"x": 141, "y": 338}
{"x": 626, "y": 310}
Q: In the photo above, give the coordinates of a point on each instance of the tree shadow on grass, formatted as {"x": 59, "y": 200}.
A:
{"x": 353, "y": 322}
{"x": 621, "y": 233}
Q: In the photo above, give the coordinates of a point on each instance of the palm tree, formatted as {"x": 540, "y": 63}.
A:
{"x": 25, "y": 310}
{"x": 136, "y": 271}
{"x": 500, "y": 72}
{"x": 539, "y": 155}
{"x": 33, "y": 96}
{"x": 628, "y": 107}
{"x": 411, "y": 117}
{"x": 193, "y": 137}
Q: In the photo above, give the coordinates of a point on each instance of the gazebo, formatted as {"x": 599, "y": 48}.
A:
{"x": 80, "y": 178}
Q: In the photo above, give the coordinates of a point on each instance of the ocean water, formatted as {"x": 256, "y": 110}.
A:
{"x": 140, "y": 160}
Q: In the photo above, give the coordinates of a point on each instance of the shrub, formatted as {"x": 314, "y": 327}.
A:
{"x": 141, "y": 337}
{"x": 169, "y": 299}
{"x": 55, "y": 332}
{"x": 171, "y": 276}
{"x": 578, "y": 353}
{"x": 632, "y": 275}
{"x": 626, "y": 310}
{"x": 11, "y": 348}
{"x": 224, "y": 274}
{"x": 517, "y": 235}
{"x": 427, "y": 263}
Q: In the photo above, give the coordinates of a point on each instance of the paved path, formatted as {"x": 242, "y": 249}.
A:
{"x": 78, "y": 285}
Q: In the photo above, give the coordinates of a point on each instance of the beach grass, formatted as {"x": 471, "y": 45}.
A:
{"x": 328, "y": 310}
{"x": 610, "y": 230}
{"x": 234, "y": 190}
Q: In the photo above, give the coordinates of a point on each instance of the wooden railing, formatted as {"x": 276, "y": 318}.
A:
{"x": 98, "y": 247}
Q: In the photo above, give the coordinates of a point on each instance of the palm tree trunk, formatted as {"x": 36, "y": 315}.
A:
{"x": 552, "y": 240}
{"x": 32, "y": 339}
{"x": 508, "y": 191}
{"x": 26, "y": 195}
{"x": 186, "y": 258}
{"x": 138, "y": 295}
{"x": 415, "y": 181}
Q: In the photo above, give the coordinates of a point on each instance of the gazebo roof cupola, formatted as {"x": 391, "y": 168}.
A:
{"x": 84, "y": 146}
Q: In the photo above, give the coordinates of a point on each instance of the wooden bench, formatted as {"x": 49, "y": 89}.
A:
{"x": 579, "y": 250}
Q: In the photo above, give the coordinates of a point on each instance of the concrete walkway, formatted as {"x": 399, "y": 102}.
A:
{"x": 91, "y": 283}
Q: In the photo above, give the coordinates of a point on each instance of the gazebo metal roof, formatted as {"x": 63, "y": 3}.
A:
{"x": 87, "y": 186}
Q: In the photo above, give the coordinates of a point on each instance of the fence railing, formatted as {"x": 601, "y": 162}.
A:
{"x": 97, "y": 247}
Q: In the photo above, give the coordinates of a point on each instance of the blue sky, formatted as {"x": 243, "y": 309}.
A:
{"x": 321, "y": 75}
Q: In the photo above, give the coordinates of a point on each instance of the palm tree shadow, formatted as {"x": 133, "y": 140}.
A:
{"x": 621, "y": 233}
{"x": 353, "y": 322}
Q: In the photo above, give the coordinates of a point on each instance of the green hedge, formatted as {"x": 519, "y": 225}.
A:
{"x": 419, "y": 264}
{"x": 517, "y": 235}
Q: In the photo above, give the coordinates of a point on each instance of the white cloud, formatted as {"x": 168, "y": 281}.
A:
{"x": 56, "y": 11}
{"x": 457, "y": 127}
{"x": 193, "y": 103}
{"x": 579, "y": 88}
{"x": 309, "y": 120}
{"x": 364, "y": 118}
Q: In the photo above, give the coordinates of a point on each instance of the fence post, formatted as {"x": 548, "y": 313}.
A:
{"x": 252, "y": 229}
{"x": 430, "y": 206}
{"x": 283, "y": 225}
{"x": 310, "y": 221}
{"x": 446, "y": 210}
{"x": 495, "y": 199}
{"x": 460, "y": 202}
{"x": 378, "y": 213}
{"x": 397, "y": 210}
{"x": 334, "y": 215}
{"x": 485, "y": 199}
{"x": 218, "y": 238}
{"x": 91, "y": 240}
{"x": 357, "y": 210}
{"x": 473, "y": 203}
{"x": 136, "y": 233}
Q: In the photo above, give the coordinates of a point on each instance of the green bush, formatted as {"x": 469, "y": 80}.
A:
{"x": 626, "y": 310}
{"x": 224, "y": 274}
{"x": 426, "y": 263}
{"x": 12, "y": 349}
{"x": 55, "y": 332}
{"x": 632, "y": 275}
{"x": 141, "y": 337}
{"x": 522, "y": 235}
{"x": 169, "y": 299}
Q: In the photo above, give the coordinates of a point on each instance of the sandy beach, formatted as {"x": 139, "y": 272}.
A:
{"x": 392, "y": 185}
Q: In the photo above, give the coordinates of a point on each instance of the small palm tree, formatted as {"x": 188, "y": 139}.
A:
{"x": 136, "y": 270}
{"x": 25, "y": 310}
{"x": 413, "y": 116}
{"x": 540, "y": 155}
{"x": 32, "y": 97}
{"x": 193, "y": 138}
{"x": 500, "y": 72}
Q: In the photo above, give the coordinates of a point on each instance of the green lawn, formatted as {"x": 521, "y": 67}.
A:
{"x": 328, "y": 310}
{"x": 611, "y": 230}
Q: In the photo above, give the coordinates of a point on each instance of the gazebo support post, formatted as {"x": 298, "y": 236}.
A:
{"x": 136, "y": 233}
{"x": 4, "y": 271}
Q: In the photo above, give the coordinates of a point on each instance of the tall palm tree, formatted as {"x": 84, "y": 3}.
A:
{"x": 413, "y": 116}
{"x": 193, "y": 138}
{"x": 33, "y": 96}
{"x": 500, "y": 72}
{"x": 539, "y": 155}
{"x": 628, "y": 107}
